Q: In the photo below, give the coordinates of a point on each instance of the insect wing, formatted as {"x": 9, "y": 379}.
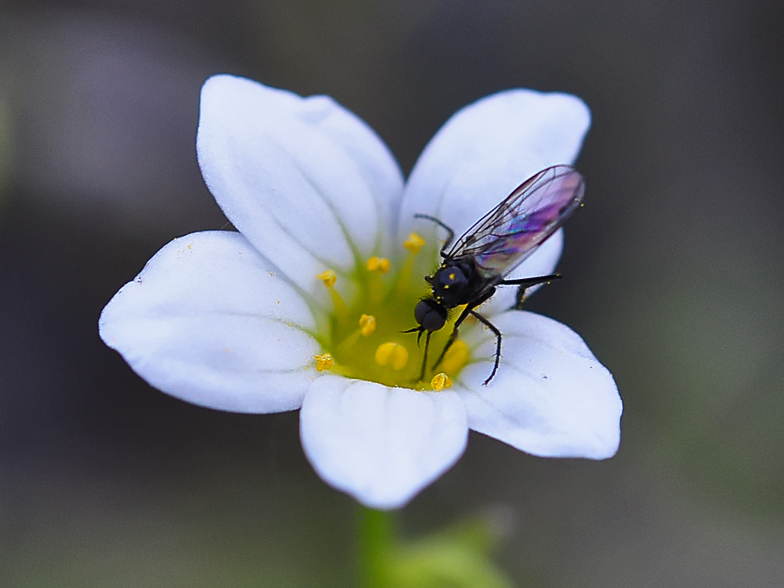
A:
{"x": 507, "y": 235}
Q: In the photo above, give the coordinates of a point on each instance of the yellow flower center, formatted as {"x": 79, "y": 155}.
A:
{"x": 364, "y": 337}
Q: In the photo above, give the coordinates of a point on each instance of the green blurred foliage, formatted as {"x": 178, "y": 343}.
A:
{"x": 457, "y": 556}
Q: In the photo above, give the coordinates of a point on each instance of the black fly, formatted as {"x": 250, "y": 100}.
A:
{"x": 491, "y": 249}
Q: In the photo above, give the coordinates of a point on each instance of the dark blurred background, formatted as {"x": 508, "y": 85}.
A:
{"x": 674, "y": 278}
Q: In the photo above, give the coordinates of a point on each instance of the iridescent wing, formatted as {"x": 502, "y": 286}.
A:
{"x": 507, "y": 235}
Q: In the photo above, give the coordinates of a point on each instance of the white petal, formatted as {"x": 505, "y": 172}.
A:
{"x": 381, "y": 445}
{"x": 306, "y": 181}
{"x": 489, "y": 148}
{"x": 207, "y": 321}
{"x": 550, "y": 397}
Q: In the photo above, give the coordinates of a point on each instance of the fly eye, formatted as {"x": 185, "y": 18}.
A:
{"x": 430, "y": 314}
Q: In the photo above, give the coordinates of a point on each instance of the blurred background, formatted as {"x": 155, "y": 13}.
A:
{"x": 674, "y": 278}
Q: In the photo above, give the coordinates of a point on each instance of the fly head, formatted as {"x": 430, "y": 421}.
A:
{"x": 430, "y": 314}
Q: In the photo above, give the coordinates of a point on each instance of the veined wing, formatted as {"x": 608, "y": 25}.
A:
{"x": 507, "y": 235}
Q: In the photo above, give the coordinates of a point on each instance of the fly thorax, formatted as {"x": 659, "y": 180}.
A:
{"x": 454, "y": 283}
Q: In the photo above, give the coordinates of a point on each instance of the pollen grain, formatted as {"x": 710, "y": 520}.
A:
{"x": 324, "y": 362}
{"x": 329, "y": 277}
{"x": 379, "y": 264}
{"x": 441, "y": 381}
{"x": 414, "y": 243}
{"x": 367, "y": 324}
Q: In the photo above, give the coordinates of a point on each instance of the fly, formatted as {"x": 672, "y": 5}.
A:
{"x": 491, "y": 249}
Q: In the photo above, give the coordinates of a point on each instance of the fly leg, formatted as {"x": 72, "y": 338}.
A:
{"x": 495, "y": 330}
{"x": 419, "y": 330}
{"x": 466, "y": 311}
{"x": 450, "y": 233}
{"x": 424, "y": 357}
{"x": 453, "y": 335}
{"x": 524, "y": 284}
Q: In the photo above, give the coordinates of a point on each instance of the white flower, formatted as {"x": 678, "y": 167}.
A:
{"x": 245, "y": 321}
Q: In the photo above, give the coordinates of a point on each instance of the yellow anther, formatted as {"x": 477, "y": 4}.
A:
{"x": 393, "y": 355}
{"x": 380, "y": 264}
{"x": 414, "y": 243}
{"x": 441, "y": 381}
{"x": 367, "y": 324}
{"x": 329, "y": 277}
{"x": 456, "y": 357}
{"x": 323, "y": 362}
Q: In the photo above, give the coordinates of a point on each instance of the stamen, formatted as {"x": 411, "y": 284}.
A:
{"x": 329, "y": 277}
{"x": 367, "y": 324}
{"x": 456, "y": 357}
{"x": 323, "y": 362}
{"x": 379, "y": 264}
{"x": 376, "y": 266}
{"x": 393, "y": 355}
{"x": 441, "y": 381}
{"x": 414, "y": 243}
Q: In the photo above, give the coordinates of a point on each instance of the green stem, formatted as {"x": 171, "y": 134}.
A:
{"x": 376, "y": 541}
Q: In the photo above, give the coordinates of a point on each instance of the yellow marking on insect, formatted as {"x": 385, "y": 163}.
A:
{"x": 414, "y": 243}
{"x": 324, "y": 362}
{"x": 441, "y": 381}
{"x": 393, "y": 355}
{"x": 379, "y": 264}
{"x": 367, "y": 324}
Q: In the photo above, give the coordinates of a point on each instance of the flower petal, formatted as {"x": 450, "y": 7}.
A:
{"x": 551, "y": 397}
{"x": 381, "y": 445}
{"x": 489, "y": 148}
{"x": 306, "y": 181}
{"x": 207, "y": 321}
